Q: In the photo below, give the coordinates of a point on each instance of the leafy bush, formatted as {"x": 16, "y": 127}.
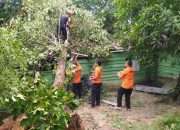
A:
{"x": 45, "y": 107}
{"x": 170, "y": 122}
{"x": 13, "y": 63}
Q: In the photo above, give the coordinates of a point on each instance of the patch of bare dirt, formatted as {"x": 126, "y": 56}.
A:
{"x": 145, "y": 109}
{"x": 11, "y": 124}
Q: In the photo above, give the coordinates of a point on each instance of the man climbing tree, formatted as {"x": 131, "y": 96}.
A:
{"x": 87, "y": 37}
{"x": 63, "y": 27}
{"x": 63, "y": 33}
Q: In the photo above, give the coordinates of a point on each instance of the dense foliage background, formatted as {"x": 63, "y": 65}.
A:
{"x": 151, "y": 28}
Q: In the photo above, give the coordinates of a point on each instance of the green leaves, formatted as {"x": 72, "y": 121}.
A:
{"x": 13, "y": 62}
{"x": 148, "y": 27}
{"x": 151, "y": 31}
{"x": 27, "y": 38}
{"x": 88, "y": 36}
{"x": 44, "y": 107}
{"x": 8, "y": 8}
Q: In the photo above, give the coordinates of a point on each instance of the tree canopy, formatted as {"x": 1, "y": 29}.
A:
{"x": 150, "y": 27}
{"x": 103, "y": 9}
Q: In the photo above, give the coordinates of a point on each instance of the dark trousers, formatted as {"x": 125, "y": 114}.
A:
{"x": 95, "y": 94}
{"x": 63, "y": 33}
{"x": 127, "y": 92}
{"x": 77, "y": 88}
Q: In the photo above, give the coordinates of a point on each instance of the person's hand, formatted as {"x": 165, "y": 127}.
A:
{"x": 118, "y": 74}
{"x": 91, "y": 77}
{"x": 73, "y": 71}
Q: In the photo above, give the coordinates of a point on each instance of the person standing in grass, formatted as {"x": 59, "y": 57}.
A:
{"x": 77, "y": 87}
{"x": 96, "y": 80}
{"x": 127, "y": 77}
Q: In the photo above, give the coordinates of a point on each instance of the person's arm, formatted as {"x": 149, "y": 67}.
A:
{"x": 96, "y": 74}
{"x": 78, "y": 68}
{"x": 69, "y": 22}
{"x": 121, "y": 74}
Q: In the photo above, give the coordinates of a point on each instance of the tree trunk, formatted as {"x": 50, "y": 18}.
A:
{"x": 60, "y": 70}
{"x": 148, "y": 77}
{"x": 151, "y": 72}
{"x": 75, "y": 120}
{"x": 176, "y": 92}
{"x": 156, "y": 68}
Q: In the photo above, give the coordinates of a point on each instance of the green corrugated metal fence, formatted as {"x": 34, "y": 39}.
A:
{"x": 115, "y": 63}
{"x": 111, "y": 66}
{"x": 86, "y": 65}
{"x": 168, "y": 68}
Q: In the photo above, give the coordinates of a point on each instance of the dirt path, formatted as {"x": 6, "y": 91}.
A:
{"x": 145, "y": 109}
{"x": 94, "y": 119}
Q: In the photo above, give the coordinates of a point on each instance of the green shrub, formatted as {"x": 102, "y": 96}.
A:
{"x": 45, "y": 107}
{"x": 170, "y": 122}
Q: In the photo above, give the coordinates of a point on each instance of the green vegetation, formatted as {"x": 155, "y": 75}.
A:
{"x": 103, "y": 9}
{"x": 26, "y": 38}
{"x": 151, "y": 29}
{"x": 170, "y": 122}
{"x": 166, "y": 122}
{"x": 44, "y": 107}
{"x": 8, "y": 8}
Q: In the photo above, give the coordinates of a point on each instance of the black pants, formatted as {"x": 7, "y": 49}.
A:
{"x": 77, "y": 88}
{"x": 127, "y": 92}
{"x": 95, "y": 94}
{"x": 63, "y": 34}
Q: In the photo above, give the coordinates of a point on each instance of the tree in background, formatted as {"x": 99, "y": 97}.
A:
{"x": 8, "y": 8}
{"x": 151, "y": 28}
{"x": 103, "y": 9}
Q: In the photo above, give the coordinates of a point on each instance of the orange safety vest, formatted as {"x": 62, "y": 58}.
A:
{"x": 77, "y": 74}
{"x": 127, "y": 77}
{"x": 97, "y": 75}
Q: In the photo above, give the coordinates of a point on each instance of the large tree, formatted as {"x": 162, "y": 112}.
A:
{"x": 37, "y": 24}
{"x": 86, "y": 36}
{"x": 151, "y": 28}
